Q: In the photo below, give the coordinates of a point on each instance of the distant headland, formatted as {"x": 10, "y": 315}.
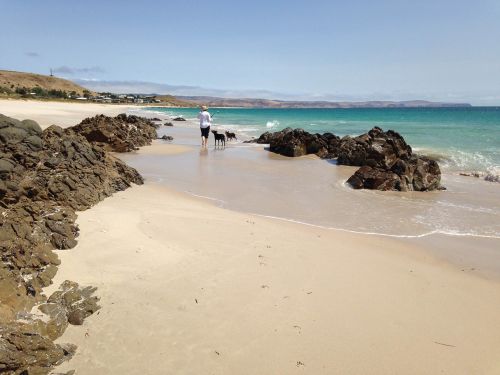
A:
{"x": 38, "y": 86}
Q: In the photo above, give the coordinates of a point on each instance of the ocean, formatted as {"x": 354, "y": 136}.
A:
{"x": 461, "y": 139}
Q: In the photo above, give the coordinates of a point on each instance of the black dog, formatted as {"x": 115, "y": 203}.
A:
{"x": 219, "y": 138}
{"x": 230, "y": 136}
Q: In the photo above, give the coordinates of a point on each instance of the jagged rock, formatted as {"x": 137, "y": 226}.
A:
{"x": 179, "y": 118}
{"x": 120, "y": 134}
{"x": 388, "y": 163}
{"x": 24, "y": 351}
{"x": 167, "y": 138}
{"x": 70, "y": 304}
{"x": 168, "y": 124}
{"x": 154, "y": 119}
{"x": 387, "y": 160}
{"x": 298, "y": 142}
{"x": 375, "y": 148}
{"x": 44, "y": 177}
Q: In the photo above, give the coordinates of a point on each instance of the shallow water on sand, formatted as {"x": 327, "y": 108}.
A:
{"x": 313, "y": 191}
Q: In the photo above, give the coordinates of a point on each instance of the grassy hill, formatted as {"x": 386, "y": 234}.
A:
{"x": 10, "y": 81}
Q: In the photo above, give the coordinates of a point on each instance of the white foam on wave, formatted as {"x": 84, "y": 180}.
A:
{"x": 449, "y": 232}
{"x": 272, "y": 124}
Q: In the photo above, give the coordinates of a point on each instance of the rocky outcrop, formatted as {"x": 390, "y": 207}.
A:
{"x": 179, "y": 118}
{"x": 29, "y": 346}
{"x": 167, "y": 138}
{"x": 415, "y": 174}
{"x": 45, "y": 176}
{"x": 375, "y": 148}
{"x": 387, "y": 161}
{"x": 298, "y": 142}
{"x": 120, "y": 134}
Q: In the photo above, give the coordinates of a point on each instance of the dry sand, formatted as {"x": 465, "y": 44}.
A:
{"x": 59, "y": 113}
{"x": 189, "y": 288}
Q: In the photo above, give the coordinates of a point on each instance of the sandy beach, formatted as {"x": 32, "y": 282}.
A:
{"x": 187, "y": 287}
{"x": 63, "y": 114}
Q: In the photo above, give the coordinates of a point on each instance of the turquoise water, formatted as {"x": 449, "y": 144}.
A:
{"x": 463, "y": 139}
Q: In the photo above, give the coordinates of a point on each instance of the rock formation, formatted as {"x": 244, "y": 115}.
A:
{"x": 298, "y": 142}
{"x": 120, "y": 134}
{"x": 45, "y": 176}
{"x": 386, "y": 160}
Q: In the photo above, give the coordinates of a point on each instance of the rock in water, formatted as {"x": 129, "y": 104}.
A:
{"x": 298, "y": 142}
{"x": 387, "y": 161}
{"x": 375, "y": 148}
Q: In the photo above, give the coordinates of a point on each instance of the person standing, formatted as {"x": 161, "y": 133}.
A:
{"x": 205, "y": 123}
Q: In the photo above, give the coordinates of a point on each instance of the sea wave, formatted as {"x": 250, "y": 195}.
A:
{"x": 454, "y": 160}
{"x": 272, "y": 124}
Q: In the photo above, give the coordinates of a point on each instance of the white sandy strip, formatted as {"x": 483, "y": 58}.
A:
{"x": 59, "y": 113}
{"x": 188, "y": 288}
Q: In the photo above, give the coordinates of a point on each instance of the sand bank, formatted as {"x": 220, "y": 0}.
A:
{"x": 63, "y": 114}
{"x": 189, "y": 288}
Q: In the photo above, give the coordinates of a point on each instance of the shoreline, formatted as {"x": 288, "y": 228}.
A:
{"x": 190, "y": 287}
{"x": 198, "y": 288}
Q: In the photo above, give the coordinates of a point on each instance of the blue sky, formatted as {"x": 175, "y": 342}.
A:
{"x": 337, "y": 50}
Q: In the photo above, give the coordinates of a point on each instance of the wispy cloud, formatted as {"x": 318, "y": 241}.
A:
{"x": 32, "y": 54}
{"x": 71, "y": 70}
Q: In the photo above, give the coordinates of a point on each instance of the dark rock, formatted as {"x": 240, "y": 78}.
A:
{"x": 44, "y": 178}
{"x": 386, "y": 159}
{"x": 376, "y": 148}
{"x": 167, "y": 138}
{"x": 168, "y": 124}
{"x": 368, "y": 177}
{"x": 120, "y": 134}
{"x": 179, "y": 118}
{"x": 297, "y": 142}
{"x": 154, "y": 119}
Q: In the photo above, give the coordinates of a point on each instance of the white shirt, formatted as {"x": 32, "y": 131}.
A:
{"x": 205, "y": 119}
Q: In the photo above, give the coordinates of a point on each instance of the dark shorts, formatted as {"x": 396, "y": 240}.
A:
{"x": 205, "y": 132}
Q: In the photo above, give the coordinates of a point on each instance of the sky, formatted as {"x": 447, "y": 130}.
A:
{"x": 318, "y": 50}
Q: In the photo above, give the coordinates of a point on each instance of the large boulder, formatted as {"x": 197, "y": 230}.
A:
{"x": 416, "y": 174}
{"x": 375, "y": 148}
{"x": 120, "y": 134}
